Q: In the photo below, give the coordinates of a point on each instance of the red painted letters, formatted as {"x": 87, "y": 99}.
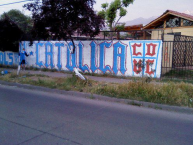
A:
{"x": 137, "y": 66}
{"x": 148, "y": 71}
{"x": 134, "y": 49}
{"x": 149, "y": 52}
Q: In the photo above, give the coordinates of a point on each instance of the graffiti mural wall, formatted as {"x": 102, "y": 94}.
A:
{"x": 9, "y": 58}
{"x": 127, "y": 58}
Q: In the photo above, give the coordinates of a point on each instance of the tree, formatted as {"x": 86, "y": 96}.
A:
{"x": 60, "y": 19}
{"x": 109, "y": 13}
{"x": 24, "y": 22}
{"x": 10, "y": 35}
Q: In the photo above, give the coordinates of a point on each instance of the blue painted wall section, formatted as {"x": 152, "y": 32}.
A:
{"x": 102, "y": 66}
{"x": 5, "y": 59}
{"x": 49, "y": 55}
{"x": 59, "y": 45}
{"x": 40, "y": 64}
{"x": 1, "y": 57}
{"x": 71, "y": 58}
{"x": 93, "y": 56}
{"x": 9, "y": 58}
{"x": 81, "y": 66}
{"x": 120, "y": 55}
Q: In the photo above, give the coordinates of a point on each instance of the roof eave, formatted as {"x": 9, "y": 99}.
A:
{"x": 163, "y": 15}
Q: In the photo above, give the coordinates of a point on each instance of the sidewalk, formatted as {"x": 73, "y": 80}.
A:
{"x": 63, "y": 75}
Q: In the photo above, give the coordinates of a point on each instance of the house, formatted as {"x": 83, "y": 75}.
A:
{"x": 177, "y": 53}
{"x": 171, "y": 23}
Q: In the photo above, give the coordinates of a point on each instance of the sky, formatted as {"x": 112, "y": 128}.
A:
{"x": 140, "y": 8}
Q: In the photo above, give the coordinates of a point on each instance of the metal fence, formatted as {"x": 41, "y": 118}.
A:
{"x": 177, "y": 58}
{"x": 148, "y": 34}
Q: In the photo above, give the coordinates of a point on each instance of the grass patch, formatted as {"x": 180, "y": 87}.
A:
{"x": 46, "y": 83}
{"x": 109, "y": 75}
{"x": 179, "y": 73}
{"x": 177, "y": 80}
{"x": 74, "y": 83}
{"x": 179, "y": 94}
{"x": 171, "y": 93}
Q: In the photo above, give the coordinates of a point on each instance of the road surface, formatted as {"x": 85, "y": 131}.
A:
{"x": 30, "y": 117}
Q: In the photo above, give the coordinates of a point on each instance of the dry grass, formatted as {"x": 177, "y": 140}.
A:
{"x": 170, "y": 93}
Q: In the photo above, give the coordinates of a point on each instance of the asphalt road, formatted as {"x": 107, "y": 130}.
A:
{"x": 29, "y": 117}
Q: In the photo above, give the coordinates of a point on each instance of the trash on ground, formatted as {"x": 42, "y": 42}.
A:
{"x": 79, "y": 74}
{"x": 4, "y": 72}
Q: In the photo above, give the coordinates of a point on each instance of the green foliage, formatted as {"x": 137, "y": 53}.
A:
{"x": 105, "y": 5}
{"x": 10, "y": 35}
{"x": 63, "y": 18}
{"x": 120, "y": 27}
{"x": 110, "y": 12}
{"x": 14, "y": 26}
{"x": 116, "y": 4}
{"x": 127, "y": 2}
{"x": 123, "y": 12}
{"x": 102, "y": 14}
{"x": 23, "y": 21}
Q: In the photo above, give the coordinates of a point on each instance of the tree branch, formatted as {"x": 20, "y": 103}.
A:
{"x": 117, "y": 21}
{"x": 73, "y": 49}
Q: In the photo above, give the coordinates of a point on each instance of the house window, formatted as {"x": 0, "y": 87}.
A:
{"x": 173, "y": 22}
{"x": 187, "y": 23}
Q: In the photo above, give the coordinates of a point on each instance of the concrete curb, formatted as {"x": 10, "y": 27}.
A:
{"x": 103, "y": 98}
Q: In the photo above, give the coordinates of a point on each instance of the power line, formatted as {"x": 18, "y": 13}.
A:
{"x": 15, "y": 2}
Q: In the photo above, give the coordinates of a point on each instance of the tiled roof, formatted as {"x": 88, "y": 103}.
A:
{"x": 171, "y": 12}
{"x": 180, "y": 14}
{"x": 134, "y": 27}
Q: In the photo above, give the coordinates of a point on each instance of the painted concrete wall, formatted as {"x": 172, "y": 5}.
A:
{"x": 9, "y": 58}
{"x": 116, "y": 57}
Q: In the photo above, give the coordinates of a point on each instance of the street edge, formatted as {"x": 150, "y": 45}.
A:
{"x": 103, "y": 98}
